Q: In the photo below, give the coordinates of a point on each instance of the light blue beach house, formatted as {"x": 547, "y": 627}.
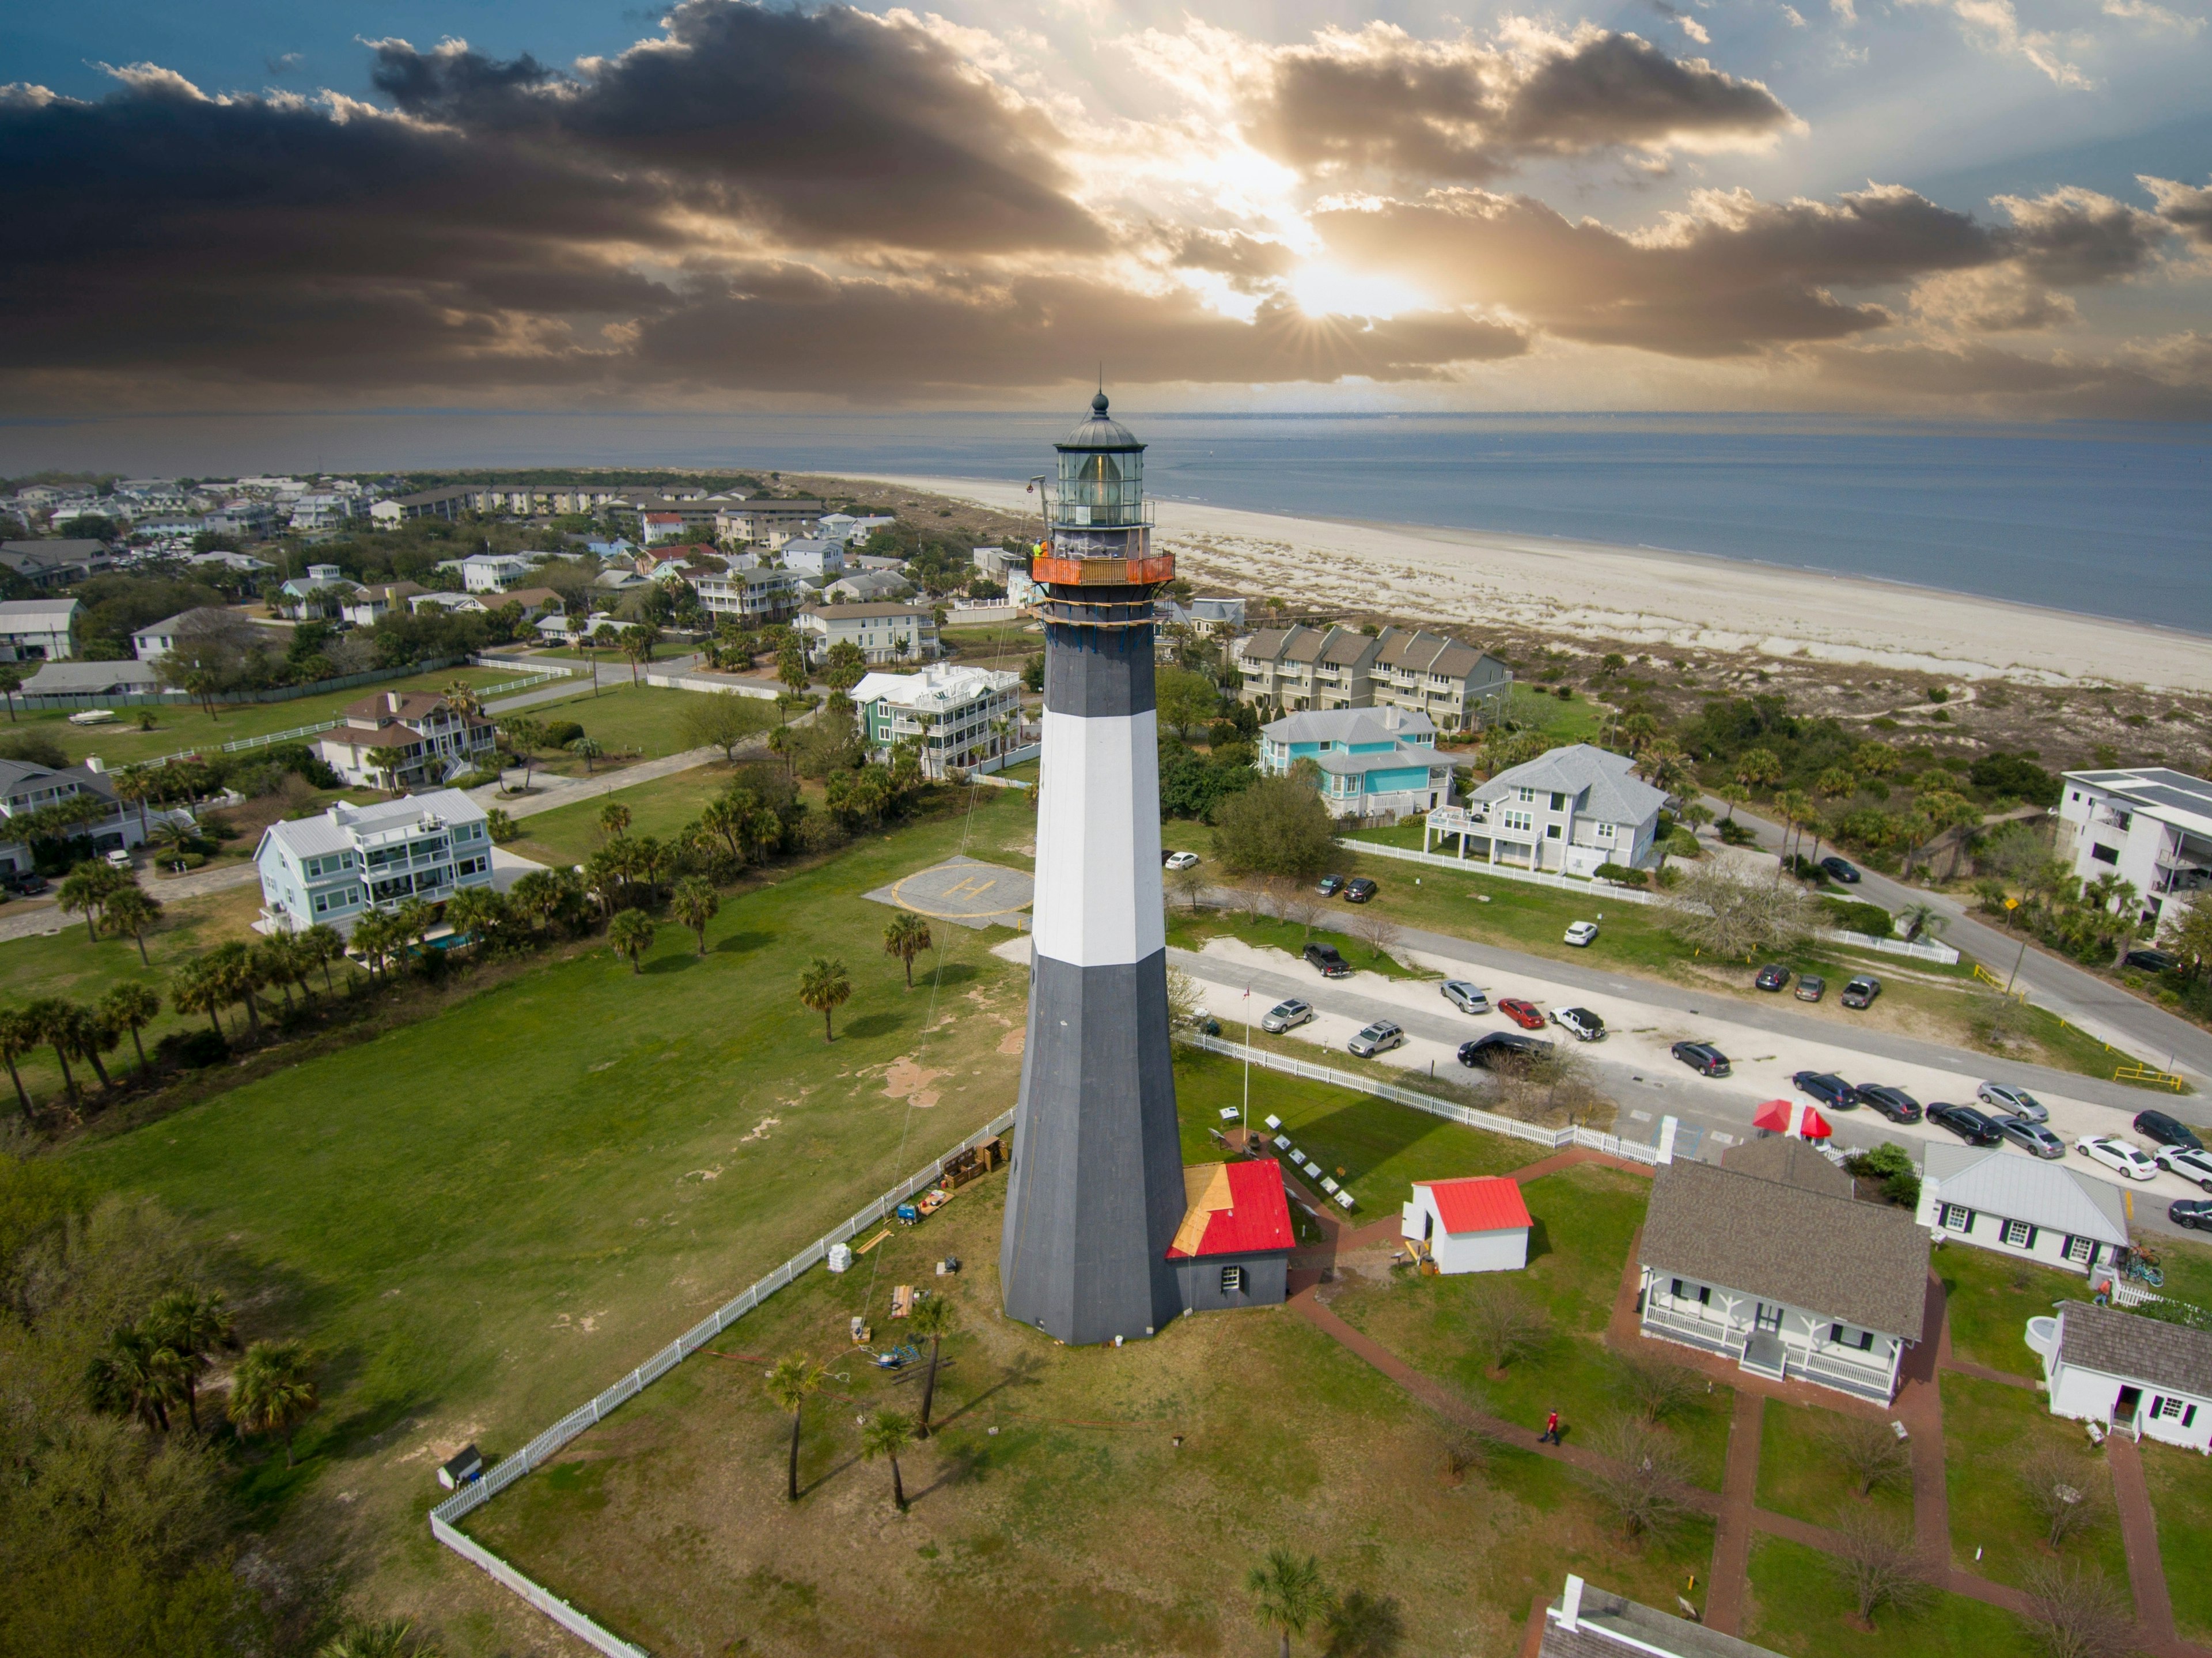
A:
{"x": 1375, "y": 762}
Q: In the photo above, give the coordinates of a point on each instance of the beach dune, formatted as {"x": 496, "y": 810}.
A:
{"x": 1589, "y": 590}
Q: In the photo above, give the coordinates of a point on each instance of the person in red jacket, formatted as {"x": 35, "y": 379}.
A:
{"x": 1550, "y": 1430}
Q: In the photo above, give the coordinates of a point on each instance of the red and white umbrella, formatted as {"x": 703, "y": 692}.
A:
{"x": 1791, "y": 1117}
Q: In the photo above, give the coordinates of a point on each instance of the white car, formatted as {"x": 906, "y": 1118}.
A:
{"x": 1579, "y": 933}
{"x": 2011, "y": 1102}
{"x": 1379, "y": 1038}
{"x": 2117, "y": 1154}
{"x": 2186, "y": 1161}
{"x": 1181, "y": 860}
{"x": 1466, "y": 997}
{"x": 1579, "y": 1022}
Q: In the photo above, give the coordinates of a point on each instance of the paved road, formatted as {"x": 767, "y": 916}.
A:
{"x": 2097, "y": 1005}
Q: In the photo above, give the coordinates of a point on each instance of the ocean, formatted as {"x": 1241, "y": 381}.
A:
{"x": 2097, "y": 519}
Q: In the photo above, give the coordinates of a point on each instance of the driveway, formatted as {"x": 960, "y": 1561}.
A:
{"x": 2097, "y": 1005}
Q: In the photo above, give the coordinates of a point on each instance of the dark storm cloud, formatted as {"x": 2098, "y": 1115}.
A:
{"x": 2187, "y": 208}
{"x": 1382, "y": 102}
{"x": 833, "y": 127}
{"x": 2076, "y": 238}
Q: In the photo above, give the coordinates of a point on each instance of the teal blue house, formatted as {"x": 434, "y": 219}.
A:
{"x": 1374, "y": 763}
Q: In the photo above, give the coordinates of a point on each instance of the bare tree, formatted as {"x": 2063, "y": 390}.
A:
{"x": 2063, "y": 1488}
{"x": 1465, "y": 1451}
{"x": 2078, "y": 1612}
{"x": 1656, "y": 1388}
{"x": 1735, "y": 913}
{"x": 1549, "y": 1086}
{"x": 1294, "y": 901}
{"x": 1375, "y": 930}
{"x": 1870, "y": 1451}
{"x": 1641, "y": 1477}
{"x": 1188, "y": 883}
{"x": 1186, "y": 996}
{"x": 1504, "y": 1325}
{"x": 1875, "y": 1559}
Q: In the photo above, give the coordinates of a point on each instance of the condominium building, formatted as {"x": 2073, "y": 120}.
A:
{"x": 2151, "y": 827}
{"x": 755, "y": 596}
{"x": 337, "y": 867}
{"x": 963, "y": 716}
{"x": 1299, "y": 668}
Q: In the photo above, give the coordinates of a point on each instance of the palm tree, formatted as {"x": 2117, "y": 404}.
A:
{"x": 376, "y": 1640}
{"x": 587, "y": 749}
{"x": 135, "y": 911}
{"x": 479, "y": 914}
{"x": 19, "y": 1034}
{"x": 631, "y": 934}
{"x": 614, "y": 820}
{"x": 192, "y": 989}
{"x": 191, "y": 1324}
{"x": 936, "y": 1319}
{"x": 86, "y": 888}
{"x": 132, "y": 1008}
{"x": 696, "y": 903}
{"x": 276, "y": 960}
{"x": 174, "y": 839}
{"x": 1287, "y": 1594}
{"x": 11, "y": 681}
{"x": 1757, "y": 769}
{"x": 636, "y": 643}
{"x": 90, "y": 1036}
{"x": 274, "y": 1390}
{"x": 461, "y": 697}
{"x": 499, "y": 823}
{"x": 134, "y": 784}
{"x": 413, "y": 920}
{"x": 824, "y": 988}
{"x": 1919, "y": 917}
{"x": 888, "y": 1433}
{"x": 53, "y": 1018}
{"x": 906, "y": 938}
{"x": 789, "y": 1380}
{"x": 135, "y": 1374}
{"x": 526, "y": 736}
{"x": 384, "y": 765}
{"x": 235, "y": 975}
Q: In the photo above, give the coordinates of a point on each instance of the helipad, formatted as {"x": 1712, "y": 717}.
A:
{"x": 964, "y": 890}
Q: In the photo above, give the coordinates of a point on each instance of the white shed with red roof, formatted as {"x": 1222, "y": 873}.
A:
{"x": 1475, "y": 1224}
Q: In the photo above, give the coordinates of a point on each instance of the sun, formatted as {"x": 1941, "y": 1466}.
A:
{"x": 1322, "y": 289}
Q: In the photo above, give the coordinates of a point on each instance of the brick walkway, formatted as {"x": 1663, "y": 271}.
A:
{"x": 2139, "y": 1532}
{"x": 1730, "y": 1576}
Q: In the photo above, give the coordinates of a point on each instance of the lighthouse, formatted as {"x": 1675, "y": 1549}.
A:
{"x": 1098, "y": 1189}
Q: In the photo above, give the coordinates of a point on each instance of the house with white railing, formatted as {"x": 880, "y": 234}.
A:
{"x": 968, "y": 717}
{"x": 1568, "y": 810}
{"x": 2136, "y": 1375}
{"x": 339, "y": 865}
{"x": 2151, "y": 827}
{"x": 398, "y": 738}
{"x": 1770, "y": 1260}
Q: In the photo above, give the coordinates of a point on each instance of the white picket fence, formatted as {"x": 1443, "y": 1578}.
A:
{"x": 1610, "y": 891}
{"x": 1488, "y": 1121}
{"x": 508, "y": 1470}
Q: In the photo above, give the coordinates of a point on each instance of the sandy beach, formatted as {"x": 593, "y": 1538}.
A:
{"x": 1589, "y": 590}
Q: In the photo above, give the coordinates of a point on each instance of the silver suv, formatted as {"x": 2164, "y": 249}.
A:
{"x": 1379, "y": 1038}
{"x": 1466, "y": 998}
{"x": 1287, "y": 1016}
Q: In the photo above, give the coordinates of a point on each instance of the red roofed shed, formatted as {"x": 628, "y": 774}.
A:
{"x": 1233, "y": 1248}
{"x": 1475, "y": 1224}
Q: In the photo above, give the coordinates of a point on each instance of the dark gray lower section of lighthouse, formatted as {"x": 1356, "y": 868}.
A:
{"x": 1096, "y": 1191}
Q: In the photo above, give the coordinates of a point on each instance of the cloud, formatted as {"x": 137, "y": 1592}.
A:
{"x": 2142, "y": 11}
{"x": 2077, "y": 238}
{"x": 2169, "y": 379}
{"x": 1380, "y": 101}
{"x": 1998, "y": 300}
{"x": 1994, "y": 26}
{"x": 2187, "y": 208}
{"x": 282, "y": 63}
{"x": 1732, "y": 276}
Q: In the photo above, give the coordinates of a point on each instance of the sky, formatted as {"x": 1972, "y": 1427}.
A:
{"x": 1987, "y": 209}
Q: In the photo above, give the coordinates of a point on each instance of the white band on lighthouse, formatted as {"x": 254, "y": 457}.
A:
{"x": 1098, "y": 900}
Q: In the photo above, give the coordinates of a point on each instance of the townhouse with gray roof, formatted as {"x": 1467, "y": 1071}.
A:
{"x": 1295, "y": 669}
{"x": 339, "y": 865}
{"x": 1460, "y": 688}
{"x": 1570, "y": 811}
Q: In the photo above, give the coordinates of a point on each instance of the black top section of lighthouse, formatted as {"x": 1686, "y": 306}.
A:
{"x": 1096, "y": 564}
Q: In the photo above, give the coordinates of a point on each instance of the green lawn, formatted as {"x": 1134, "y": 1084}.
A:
{"x": 1799, "y": 1475}
{"x": 1055, "y": 1511}
{"x": 181, "y": 727}
{"x": 1989, "y": 1298}
{"x": 1800, "y": 1606}
{"x": 1380, "y": 1148}
{"x": 482, "y": 1217}
{"x": 2188, "y": 1269}
{"x": 659, "y": 807}
{"x": 647, "y": 720}
{"x": 1989, "y": 1428}
{"x": 2181, "y": 1496}
{"x": 1584, "y": 1220}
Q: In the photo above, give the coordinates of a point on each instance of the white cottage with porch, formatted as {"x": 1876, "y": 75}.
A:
{"x": 2016, "y": 1204}
{"x": 1568, "y": 811}
{"x": 1769, "y": 1259}
{"x": 2136, "y": 1375}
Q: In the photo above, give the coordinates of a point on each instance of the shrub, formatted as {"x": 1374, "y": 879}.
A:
{"x": 1735, "y": 833}
{"x": 192, "y": 1050}
{"x": 1892, "y": 1164}
{"x": 1621, "y": 873}
{"x": 559, "y": 734}
{"x": 1853, "y": 916}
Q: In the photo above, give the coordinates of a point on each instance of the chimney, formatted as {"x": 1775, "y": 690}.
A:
{"x": 1570, "y": 1604}
{"x": 392, "y": 701}
{"x": 93, "y": 762}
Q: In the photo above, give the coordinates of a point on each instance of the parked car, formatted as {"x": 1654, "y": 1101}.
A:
{"x": 2166, "y": 1131}
{"x": 2010, "y": 1102}
{"x": 2032, "y": 1137}
{"x": 1379, "y": 1038}
{"x": 1861, "y": 990}
{"x": 2149, "y": 961}
{"x": 1359, "y": 889}
{"x": 1773, "y": 976}
{"x": 1466, "y": 997}
{"x": 1330, "y": 885}
{"x": 1811, "y": 986}
{"x": 1523, "y": 1014}
{"x": 119, "y": 859}
{"x": 1893, "y": 1102}
{"x": 2117, "y": 1155}
{"x": 1500, "y": 1046}
{"x": 1579, "y": 933}
{"x": 1287, "y": 1016}
{"x": 1839, "y": 869}
{"x": 1701, "y": 1057}
{"x": 1579, "y": 1022}
{"x": 1329, "y": 960}
{"x": 1975, "y": 1128}
{"x": 1827, "y": 1088}
{"x": 1181, "y": 860}
{"x": 2188, "y": 1163}
{"x": 2192, "y": 1212}
{"x": 27, "y": 884}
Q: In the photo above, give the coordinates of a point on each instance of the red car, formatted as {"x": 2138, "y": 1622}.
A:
{"x": 1523, "y": 1014}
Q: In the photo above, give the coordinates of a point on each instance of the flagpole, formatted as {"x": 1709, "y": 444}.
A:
{"x": 1248, "y": 1065}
